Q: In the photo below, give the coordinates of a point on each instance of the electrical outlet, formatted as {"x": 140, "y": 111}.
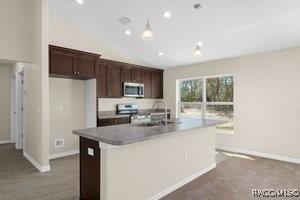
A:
{"x": 185, "y": 155}
{"x": 59, "y": 143}
{"x": 60, "y": 108}
{"x": 91, "y": 152}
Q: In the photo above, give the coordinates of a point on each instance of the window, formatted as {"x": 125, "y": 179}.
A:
{"x": 191, "y": 98}
{"x": 208, "y": 98}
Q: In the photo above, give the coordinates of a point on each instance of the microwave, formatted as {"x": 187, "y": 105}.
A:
{"x": 133, "y": 89}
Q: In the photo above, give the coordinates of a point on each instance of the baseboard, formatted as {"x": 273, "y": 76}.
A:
{"x": 182, "y": 183}
{"x": 5, "y": 141}
{"x": 35, "y": 164}
{"x": 259, "y": 154}
{"x": 64, "y": 154}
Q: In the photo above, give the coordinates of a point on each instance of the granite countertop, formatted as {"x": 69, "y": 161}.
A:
{"x": 124, "y": 134}
{"x": 113, "y": 114}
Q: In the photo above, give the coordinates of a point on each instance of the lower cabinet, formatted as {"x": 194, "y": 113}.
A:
{"x": 113, "y": 121}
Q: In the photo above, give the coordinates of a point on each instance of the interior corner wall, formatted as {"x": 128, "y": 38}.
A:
{"x": 16, "y": 35}
{"x": 5, "y": 73}
{"x": 36, "y": 88}
{"x": 67, "y": 113}
{"x": 266, "y": 100}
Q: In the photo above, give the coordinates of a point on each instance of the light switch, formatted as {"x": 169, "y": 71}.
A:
{"x": 60, "y": 109}
{"x": 91, "y": 152}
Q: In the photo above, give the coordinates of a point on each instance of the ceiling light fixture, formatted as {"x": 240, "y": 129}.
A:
{"x": 167, "y": 14}
{"x": 147, "y": 34}
{"x": 198, "y": 51}
{"x": 199, "y": 43}
{"x": 160, "y": 53}
{"x": 127, "y": 32}
{"x": 79, "y": 1}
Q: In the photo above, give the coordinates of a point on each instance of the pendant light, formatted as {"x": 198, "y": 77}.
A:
{"x": 147, "y": 34}
{"x": 198, "y": 51}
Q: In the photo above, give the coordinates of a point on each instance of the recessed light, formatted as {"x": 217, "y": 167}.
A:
{"x": 199, "y": 43}
{"x": 198, "y": 51}
{"x": 167, "y": 14}
{"x": 79, "y": 1}
{"x": 127, "y": 32}
{"x": 160, "y": 53}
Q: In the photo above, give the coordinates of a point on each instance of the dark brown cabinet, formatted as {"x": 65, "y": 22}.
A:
{"x": 111, "y": 75}
{"x": 157, "y": 84}
{"x": 109, "y": 79}
{"x": 114, "y": 80}
{"x": 131, "y": 73}
{"x": 136, "y": 75}
{"x": 69, "y": 63}
{"x": 101, "y": 75}
{"x": 113, "y": 121}
{"x": 127, "y": 73}
{"x": 146, "y": 78}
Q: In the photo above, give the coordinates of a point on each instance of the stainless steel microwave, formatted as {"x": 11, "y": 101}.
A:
{"x": 133, "y": 89}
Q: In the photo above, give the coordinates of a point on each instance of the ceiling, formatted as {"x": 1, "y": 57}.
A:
{"x": 226, "y": 28}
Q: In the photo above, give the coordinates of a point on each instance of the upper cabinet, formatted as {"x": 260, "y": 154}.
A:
{"x": 114, "y": 83}
{"x": 157, "y": 84}
{"x": 146, "y": 78}
{"x": 112, "y": 74}
{"x": 109, "y": 79}
{"x": 69, "y": 63}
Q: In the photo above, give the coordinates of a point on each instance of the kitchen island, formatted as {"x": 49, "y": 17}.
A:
{"x": 137, "y": 162}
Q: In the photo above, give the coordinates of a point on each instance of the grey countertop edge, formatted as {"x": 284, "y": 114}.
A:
{"x": 163, "y": 134}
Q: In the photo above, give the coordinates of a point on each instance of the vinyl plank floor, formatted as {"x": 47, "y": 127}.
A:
{"x": 233, "y": 178}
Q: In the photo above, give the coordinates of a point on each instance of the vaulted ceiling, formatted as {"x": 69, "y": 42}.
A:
{"x": 226, "y": 28}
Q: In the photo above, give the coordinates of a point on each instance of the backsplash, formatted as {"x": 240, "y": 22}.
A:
{"x": 109, "y": 104}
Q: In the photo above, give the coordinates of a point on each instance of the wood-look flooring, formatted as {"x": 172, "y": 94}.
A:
{"x": 19, "y": 180}
{"x": 232, "y": 179}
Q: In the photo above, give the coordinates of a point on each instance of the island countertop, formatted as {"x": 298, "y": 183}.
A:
{"x": 125, "y": 134}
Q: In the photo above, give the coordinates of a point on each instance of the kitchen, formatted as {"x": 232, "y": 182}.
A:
{"x": 147, "y": 100}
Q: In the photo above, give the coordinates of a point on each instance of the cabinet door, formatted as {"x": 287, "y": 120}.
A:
{"x": 61, "y": 62}
{"x": 85, "y": 66}
{"x": 136, "y": 75}
{"x": 114, "y": 80}
{"x": 101, "y": 73}
{"x": 146, "y": 78}
{"x": 126, "y": 73}
{"x": 157, "y": 84}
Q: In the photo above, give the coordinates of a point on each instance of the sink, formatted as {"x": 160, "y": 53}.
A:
{"x": 154, "y": 123}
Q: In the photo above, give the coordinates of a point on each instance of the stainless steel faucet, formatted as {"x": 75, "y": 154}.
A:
{"x": 166, "y": 109}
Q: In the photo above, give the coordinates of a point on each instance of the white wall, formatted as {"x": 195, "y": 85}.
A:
{"x": 16, "y": 35}
{"x": 5, "y": 72}
{"x": 266, "y": 95}
{"x": 36, "y": 86}
{"x": 67, "y": 112}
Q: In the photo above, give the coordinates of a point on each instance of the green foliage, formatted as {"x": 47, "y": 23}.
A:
{"x": 191, "y": 91}
{"x": 219, "y": 89}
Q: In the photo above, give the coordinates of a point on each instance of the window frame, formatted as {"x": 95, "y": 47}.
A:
{"x": 204, "y": 102}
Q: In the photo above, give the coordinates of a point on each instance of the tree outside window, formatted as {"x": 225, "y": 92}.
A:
{"x": 218, "y": 103}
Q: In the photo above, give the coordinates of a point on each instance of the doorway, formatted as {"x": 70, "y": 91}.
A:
{"x": 17, "y": 109}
